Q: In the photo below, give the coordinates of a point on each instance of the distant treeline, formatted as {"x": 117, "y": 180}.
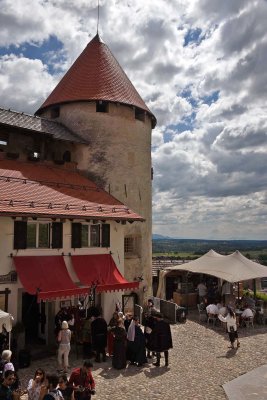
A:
{"x": 202, "y": 246}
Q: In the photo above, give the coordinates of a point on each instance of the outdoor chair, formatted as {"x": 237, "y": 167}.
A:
{"x": 260, "y": 316}
{"x": 202, "y": 315}
{"x": 212, "y": 318}
{"x": 249, "y": 322}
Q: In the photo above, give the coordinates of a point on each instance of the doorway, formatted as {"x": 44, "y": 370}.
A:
{"x": 32, "y": 317}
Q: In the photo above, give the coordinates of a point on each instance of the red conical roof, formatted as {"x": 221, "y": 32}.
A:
{"x": 95, "y": 75}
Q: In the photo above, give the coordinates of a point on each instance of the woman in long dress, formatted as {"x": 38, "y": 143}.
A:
{"x": 136, "y": 350}
{"x": 119, "y": 346}
{"x": 112, "y": 324}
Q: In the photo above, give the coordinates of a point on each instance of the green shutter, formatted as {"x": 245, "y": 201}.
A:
{"x": 76, "y": 235}
{"x": 105, "y": 235}
{"x": 57, "y": 235}
{"x": 20, "y": 235}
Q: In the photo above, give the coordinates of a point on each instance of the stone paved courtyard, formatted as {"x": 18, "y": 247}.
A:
{"x": 200, "y": 363}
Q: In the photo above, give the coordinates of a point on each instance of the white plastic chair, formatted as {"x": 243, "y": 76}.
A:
{"x": 212, "y": 318}
{"x": 249, "y": 322}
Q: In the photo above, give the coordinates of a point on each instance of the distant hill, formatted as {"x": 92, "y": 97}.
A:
{"x": 202, "y": 246}
{"x": 155, "y": 236}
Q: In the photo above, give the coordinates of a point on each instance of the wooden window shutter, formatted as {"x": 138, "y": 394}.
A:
{"x": 76, "y": 235}
{"x": 57, "y": 235}
{"x": 20, "y": 234}
{"x": 105, "y": 235}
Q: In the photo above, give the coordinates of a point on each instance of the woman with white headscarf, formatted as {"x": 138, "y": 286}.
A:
{"x": 136, "y": 350}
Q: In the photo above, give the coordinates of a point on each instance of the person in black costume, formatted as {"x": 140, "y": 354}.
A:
{"x": 99, "y": 331}
{"x": 149, "y": 323}
{"x": 136, "y": 350}
{"x": 161, "y": 339}
{"x": 119, "y": 345}
{"x": 127, "y": 321}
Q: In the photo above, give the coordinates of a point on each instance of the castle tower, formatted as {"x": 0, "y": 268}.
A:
{"x": 96, "y": 99}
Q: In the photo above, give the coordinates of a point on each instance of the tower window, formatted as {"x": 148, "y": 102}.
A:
{"x": 102, "y": 106}
{"x": 132, "y": 246}
{"x": 67, "y": 156}
{"x": 140, "y": 114}
{"x": 55, "y": 112}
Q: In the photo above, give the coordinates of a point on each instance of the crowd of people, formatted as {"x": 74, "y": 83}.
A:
{"x": 225, "y": 309}
{"x": 122, "y": 339}
{"x": 80, "y": 385}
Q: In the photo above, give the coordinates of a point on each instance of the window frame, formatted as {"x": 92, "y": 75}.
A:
{"x": 132, "y": 248}
{"x": 54, "y": 233}
{"x": 38, "y": 234}
{"x": 103, "y": 235}
{"x": 90, "y": 235}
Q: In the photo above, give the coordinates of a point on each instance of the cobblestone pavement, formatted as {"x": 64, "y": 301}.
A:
{"x": 200, "y": 363}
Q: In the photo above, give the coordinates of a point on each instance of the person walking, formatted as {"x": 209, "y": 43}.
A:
{"x": 99, "y": 330}
{"x": 82, "y": 381}
{"x": 231, "y": 326}
{"x": 161, "y": 339}
{"x": 64, "y": 338}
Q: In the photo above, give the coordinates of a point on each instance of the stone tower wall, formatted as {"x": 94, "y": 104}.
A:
{"x": 118, "y": 158}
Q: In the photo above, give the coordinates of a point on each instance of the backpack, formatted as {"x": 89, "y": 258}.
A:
{"x": 56, "y": 394}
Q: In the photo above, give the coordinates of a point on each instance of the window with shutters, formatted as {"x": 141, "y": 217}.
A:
{"x": 90, "y": 235}
{"x": 38, "y": 235}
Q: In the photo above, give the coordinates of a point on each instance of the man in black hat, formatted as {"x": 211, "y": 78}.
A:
{"x": 99, "y": 331}
{"x": 161, "y": 339}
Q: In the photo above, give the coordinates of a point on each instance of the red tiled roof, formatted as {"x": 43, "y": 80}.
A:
{"x": 96, "y": 75}
{"x": 43, "y": 190}
{"x": 37, "y": 125}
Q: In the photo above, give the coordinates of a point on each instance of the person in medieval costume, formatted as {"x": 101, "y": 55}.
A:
{"x": 99, "y": 330}
{"x": 119, "y": 345}
{"x": 136, "y": 350}
{"x": 161, "y": 339}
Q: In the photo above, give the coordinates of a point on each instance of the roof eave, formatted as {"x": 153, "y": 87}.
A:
{"x": 69, "y": 216}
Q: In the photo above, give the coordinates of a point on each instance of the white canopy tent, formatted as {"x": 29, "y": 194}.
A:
{"x": 231, "y": 268}
{"x": 6, "y": 321}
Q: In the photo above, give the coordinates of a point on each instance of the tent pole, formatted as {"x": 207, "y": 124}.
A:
{"x": 254, "y": 288}
{"x": 186, "y": 291}
{"x": 238, "y": 291}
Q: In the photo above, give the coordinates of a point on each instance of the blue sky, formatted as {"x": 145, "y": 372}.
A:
{"x": 200, "y": 66}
